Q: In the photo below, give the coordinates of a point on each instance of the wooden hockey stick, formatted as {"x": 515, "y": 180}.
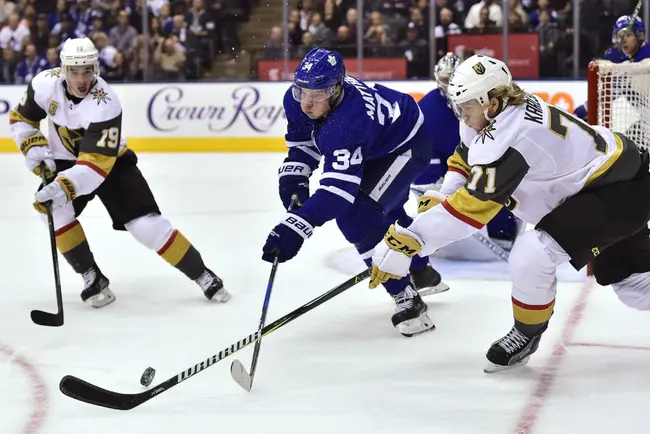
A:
{"x": 38, "y": 316}
{"x": 81, "y": 390}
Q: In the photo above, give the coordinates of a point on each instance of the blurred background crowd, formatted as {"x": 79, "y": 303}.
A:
{"x": 225, "y": 39}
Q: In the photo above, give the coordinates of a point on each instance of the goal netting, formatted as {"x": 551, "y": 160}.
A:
{"x": 619, "y": 98}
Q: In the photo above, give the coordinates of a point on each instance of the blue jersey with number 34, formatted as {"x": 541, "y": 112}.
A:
{"x": 367, "y": 124}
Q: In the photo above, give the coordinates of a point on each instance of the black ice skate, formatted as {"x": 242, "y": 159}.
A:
{"x": 512, "y": 350}
{"x": 411, "y": 316}
{"x": 212, "y": 286}
{"x": 428, "y": 281}
{"x": 96, "y": 288}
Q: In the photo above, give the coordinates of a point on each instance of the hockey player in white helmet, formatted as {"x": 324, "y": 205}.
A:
{"x": 579, "y": 185}
{"x": 86, "y": 155}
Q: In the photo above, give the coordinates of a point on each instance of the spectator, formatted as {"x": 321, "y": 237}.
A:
{"x": 123, "y": 34}
{"x": 13, "y": 34}
{"x": 40, "y": 34}
{"x": 295, "y": 31}
{"x": 494, "y": 14}
{"x": 53, "y": 57}
{"x": 170, "y": 59}
{"x": 83, "y": 17}
{"x": 9, "y": 64}
{"x": 321, "y": 34}
{"x": 306, "y": 10}
{"x": 542, "y": 5}
{"x": 273, "y": 49}
{"x": 415, "y": 52}
{"x": 332, "y": 15}
{"x": 549, "y": 40}
{"x": 446, "y": 26}
{"x": 55, "y": 17}
{"x": 517, "y": 17}
{"x": 377, "y": 33}
{"x": 6, "y": 9}
{"x": 307, "y": 44}
{"x": 165, "y": 18}
{"x": 30, "y": 66}
{"x": 110, "y": 60}
{"x": 65, "y": 29}
{"x": 352, "y": 20}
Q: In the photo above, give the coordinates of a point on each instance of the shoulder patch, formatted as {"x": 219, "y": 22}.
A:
{"x": 53, "y": 73}
{"x": 100, "y": 95}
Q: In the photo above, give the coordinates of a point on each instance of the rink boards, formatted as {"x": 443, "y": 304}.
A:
{"x": 232, "y": 117}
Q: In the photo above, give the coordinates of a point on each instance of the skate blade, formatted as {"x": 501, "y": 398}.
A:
{"x": 491, "y": 368}
{"x": 222, "y": 296}
{"x": 416, "y": 326}
{"x": 102, "y": 299}
{"x": 430, "y": 290}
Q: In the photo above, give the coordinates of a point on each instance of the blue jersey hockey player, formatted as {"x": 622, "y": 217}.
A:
{"x": 373, "y": 146}
{"x": 628, "y": 47}
{"x": 441, "y": 125}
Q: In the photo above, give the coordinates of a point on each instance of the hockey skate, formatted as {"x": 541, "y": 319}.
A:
{"x": 512, "y": 350}
{"x": 96, "y": 289}
{"x": 411, "y": 317}
{"x": 212, "y": 287}
{"x": 428, "y": 281}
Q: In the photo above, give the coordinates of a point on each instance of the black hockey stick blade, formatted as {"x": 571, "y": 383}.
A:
{"x": 84, "y": 391}
{"x": 240, "y": 375}
{"x": 47, "y": 319}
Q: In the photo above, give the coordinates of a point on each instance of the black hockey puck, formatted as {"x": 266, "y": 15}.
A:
{"x": 147, "y": 376}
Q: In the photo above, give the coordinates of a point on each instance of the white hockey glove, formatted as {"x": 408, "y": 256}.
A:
{"x": 430, "y": 199}
{"x": 58, "y": 193}
{"x": 37, "y": 150}
{"x": 392, "y": 258}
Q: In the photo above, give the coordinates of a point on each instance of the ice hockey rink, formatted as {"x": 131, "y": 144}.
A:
{"x": 341, "y": 368}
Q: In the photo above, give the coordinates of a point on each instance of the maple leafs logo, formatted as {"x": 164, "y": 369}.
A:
{"x": 100, "y": 95}
{"x": 486, "y": 133}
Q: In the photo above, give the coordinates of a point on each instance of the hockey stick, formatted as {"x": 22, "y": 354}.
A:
{"x": 634, "y": 16}
{"x": 237, "y": 370}
{"x": 81, "y": 390}
{"x": 38, "y": 316}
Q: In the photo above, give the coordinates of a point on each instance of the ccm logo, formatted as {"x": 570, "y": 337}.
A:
{"x": 399, "y": 246}
{"x": 290, "y": 168}
{"x": 301, "y": 226}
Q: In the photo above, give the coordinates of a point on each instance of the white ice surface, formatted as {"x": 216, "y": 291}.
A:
{"x": 339, "y": 369}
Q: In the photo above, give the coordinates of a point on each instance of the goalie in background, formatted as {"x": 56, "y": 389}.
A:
{"x": 86, "y": 156}
{"x": 626, "y": 48}
{"x": 441, "y": 125}
{"x": 579, "y": 185}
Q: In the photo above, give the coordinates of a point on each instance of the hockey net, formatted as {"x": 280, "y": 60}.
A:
{"x": 619, "y": 98}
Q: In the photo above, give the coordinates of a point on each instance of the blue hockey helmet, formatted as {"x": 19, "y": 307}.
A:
{"x": 622, "y": 24}
{"x": 321, "y": 69}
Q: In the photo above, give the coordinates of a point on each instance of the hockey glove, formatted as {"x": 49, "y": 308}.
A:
{"x": 392, "y": 258}
{"x": 36, "y": 151}
{"x": 430, "y": 199}
{"x": 57, "y": 193}
{"x": 294, "y": 180}
{"x": 285, "y": 240}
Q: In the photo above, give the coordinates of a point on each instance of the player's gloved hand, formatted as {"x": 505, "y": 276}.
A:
{"x": 56, "y": 193}
{"x": 37, "y": 150}
{"x": 430, "y": 199}
{"x": 294, "y": 181}
{"x": 285, "y": 240}
{"x": 392, "y": 257}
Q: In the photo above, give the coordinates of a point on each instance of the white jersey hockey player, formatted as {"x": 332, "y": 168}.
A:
{"x": 85, "y": 156}
{"x": 578, "y": 184}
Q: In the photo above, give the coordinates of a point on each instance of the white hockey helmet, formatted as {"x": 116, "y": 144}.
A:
{"x": 79, "y": 52}
{"x": 475, "y": 78}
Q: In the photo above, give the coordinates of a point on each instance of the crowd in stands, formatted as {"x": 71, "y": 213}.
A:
{"x": 183, "y": 35}
{"x": 396, "y": 28}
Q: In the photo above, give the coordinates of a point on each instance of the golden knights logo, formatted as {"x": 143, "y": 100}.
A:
{"x": 479, "y": 68}
{"x": 486, "y": 133}
{"x": 54, "y": 72}
{"x": 53, "y": 107}
{"x": 100, "y": 95}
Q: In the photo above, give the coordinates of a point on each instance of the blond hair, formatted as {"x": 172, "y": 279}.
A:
{"x": 512, "y": 95}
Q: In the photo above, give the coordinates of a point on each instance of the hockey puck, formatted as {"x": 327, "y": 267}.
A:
{"x": 147, "y": 376}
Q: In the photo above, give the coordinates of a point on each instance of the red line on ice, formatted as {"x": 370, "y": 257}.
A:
{"x": 544, "y": 384}
{"x": 38, "y": 390}
{"x": 613, "y": 346}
